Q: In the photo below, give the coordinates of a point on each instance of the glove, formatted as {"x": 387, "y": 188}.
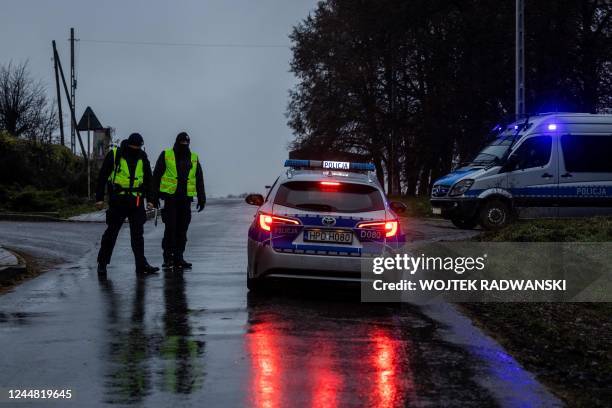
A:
{"x": 201, "y": 205}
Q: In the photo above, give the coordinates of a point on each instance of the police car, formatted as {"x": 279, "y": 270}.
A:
{"x": 549, "y": 165}
{"x": 318, "y": 220}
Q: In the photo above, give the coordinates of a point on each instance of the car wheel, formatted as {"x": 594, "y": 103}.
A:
{"x": 465, "y": 223}
{"x": 253, "y": 284}
{"x": 494, "y": 214}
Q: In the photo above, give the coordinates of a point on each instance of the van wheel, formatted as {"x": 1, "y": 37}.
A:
{"x": 494, "y": 214}
{"x": 465, "y": 223}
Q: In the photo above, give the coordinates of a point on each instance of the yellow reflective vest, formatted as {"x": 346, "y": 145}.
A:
{"x": 169, "y": 179}
{"x": 121, "y": 176}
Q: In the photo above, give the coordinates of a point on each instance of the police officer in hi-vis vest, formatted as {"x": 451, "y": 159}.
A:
{"x": 127, "y": 173}
{"x": 177, "y": 179}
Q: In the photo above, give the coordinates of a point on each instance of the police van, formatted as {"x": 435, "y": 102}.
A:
{"x": 549, "y": 165}
{"x": 318, "y": 220}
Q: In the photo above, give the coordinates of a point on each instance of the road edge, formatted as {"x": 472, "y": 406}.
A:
{"x": 11, "y": 272}
{"x": 25, "y": 217}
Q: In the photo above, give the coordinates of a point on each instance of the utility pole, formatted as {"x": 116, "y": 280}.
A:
{"x": 73, "y": 86}
{"x": 59, "y": 96}
{"x": 88, "y": 161}
{"x": 520, "y": 60}
{"x": 72, "y": 115}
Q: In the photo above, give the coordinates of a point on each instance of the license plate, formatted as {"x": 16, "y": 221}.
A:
{"x": 436, "y": 211}
{"x": 338, "y": 237}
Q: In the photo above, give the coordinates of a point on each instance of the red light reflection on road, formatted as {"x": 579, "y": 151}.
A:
{"x": 327, "y": 382}
{"x": 327, "y": 373}
{"x": 393, "y": 382}
{"x": 266, "y": 367}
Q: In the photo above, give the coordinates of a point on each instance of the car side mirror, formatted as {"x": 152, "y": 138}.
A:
{"x": 398, "y": 207}
{"x": 510, "y": 164}
{"x": 254, "y": 199}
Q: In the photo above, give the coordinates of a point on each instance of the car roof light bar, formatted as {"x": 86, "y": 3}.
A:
{"x": 329, "y": 165}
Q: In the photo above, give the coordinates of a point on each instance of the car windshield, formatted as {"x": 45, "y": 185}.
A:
{"x": 317, "y": 196}
{"x": 493, "y": 153}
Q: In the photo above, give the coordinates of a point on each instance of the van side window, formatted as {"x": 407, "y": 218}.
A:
{"x": 534, "y": 152}
{"x": 587, "y": 153}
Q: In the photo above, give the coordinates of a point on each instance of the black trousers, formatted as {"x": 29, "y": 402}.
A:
{"x": 176, "y": 216}
{"x": 119, "y": 209}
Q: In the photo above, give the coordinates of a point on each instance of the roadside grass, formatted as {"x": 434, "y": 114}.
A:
{"x": 417, "y": 206}
{"x": 41, "y": 178}
{"x": 594, "y": 229}
{"x": 56, "y": 203}
{"x": 78, "y": 209}
{"x": 567, "y": 345}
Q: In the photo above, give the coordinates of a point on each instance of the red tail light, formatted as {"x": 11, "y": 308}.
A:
{"x": 330, "y": 183}
{"x": 266, "y": 221}
{"x": 390, "y": 227}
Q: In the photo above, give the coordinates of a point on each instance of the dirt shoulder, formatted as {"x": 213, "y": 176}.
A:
{"x": 34, "y": 266}
{"x": 419, "y": 230}
{"x": 44, "y": 245}
{"x": 566, "y": 345}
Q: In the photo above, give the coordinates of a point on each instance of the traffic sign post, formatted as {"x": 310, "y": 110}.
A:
{"x": 89, "y": 122}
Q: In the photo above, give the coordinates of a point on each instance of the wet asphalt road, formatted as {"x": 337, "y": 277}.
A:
{"x": 199, "y": 339}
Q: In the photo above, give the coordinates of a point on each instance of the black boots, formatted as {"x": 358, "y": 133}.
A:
{"x": 168, "y": 262}
{"x": 176, "y": 263}
{"x": 182, "y": 264}
{"x": 146, "y": 269}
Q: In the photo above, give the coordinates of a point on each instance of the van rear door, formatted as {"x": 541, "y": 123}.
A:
{"x": 585, "y": 174}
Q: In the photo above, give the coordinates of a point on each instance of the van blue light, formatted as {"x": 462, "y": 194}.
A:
{"x": 552, "y": 126}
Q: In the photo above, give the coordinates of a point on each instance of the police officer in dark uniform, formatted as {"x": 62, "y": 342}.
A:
{"x": 126, "y": 172}
{"x": 177, "y": 179}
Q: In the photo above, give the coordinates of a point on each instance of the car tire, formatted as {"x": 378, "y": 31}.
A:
{"x": 494, "y": 214}
{"x": 253, "y": 284}
{"x": 465, "y": 223}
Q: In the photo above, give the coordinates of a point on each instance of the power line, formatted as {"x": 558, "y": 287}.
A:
{"x": 177, "y": 44}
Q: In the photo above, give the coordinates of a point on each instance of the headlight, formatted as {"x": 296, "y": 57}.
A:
{"x": 461, "y": 187}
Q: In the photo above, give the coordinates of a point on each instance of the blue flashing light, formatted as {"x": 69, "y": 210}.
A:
{"x": 363, "y": 166}
{"x": 297, "y": 163}
{"x": 552, "y": 126}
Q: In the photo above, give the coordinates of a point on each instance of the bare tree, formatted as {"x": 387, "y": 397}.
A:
{"x": 25, "y": 110}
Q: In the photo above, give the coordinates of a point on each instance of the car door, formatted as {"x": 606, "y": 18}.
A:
{"x": 585, "y": 179}
{"x": 533, "y": 177}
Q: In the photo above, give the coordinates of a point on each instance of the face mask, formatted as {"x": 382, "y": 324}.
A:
{"x": 182, "y": 148}
{"x": 131, "y": 151}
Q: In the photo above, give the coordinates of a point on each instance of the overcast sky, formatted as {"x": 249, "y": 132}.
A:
{"x": 231, "y": 101}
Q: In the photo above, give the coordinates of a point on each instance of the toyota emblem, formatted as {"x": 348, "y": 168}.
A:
{"x": 329, "y": 221}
